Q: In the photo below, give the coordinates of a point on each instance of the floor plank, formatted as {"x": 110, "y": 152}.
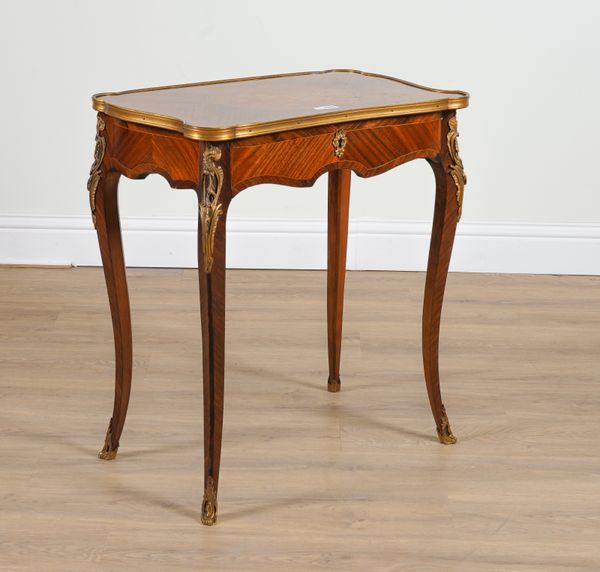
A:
{"x": 309, "y": 480}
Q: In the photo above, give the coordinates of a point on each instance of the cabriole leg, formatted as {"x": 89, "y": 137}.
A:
{"x": 450, "y": 181}
{"x": 102, "y": 188}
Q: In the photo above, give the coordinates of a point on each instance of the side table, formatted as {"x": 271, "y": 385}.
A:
{"x": 222, "y": 137}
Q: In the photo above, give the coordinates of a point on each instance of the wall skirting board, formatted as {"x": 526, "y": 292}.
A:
{"x": 293, "y": 243}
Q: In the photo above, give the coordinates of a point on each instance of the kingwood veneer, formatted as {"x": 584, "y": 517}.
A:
{"x": 219, "y": 138}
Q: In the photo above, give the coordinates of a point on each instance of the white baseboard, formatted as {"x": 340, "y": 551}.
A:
{"x": 268, "y": 243}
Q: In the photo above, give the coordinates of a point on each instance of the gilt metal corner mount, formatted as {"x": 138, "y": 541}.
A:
{"x": 456, "y": 167}
{"x": 210, "y": 207}
{"x": 96, "y": 169}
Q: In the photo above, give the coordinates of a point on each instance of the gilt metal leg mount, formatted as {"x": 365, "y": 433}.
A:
{"x": 456, "y": 167}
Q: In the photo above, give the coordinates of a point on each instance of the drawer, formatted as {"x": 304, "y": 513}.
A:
{"x": 298, "y": 159}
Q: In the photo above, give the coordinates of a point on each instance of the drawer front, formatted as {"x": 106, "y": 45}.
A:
{"x": 299, "y": 158}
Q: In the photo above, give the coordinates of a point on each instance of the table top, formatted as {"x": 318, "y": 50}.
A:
{"x": 236, "y": 108}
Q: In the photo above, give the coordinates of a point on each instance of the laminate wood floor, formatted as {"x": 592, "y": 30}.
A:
{"x": 309, "y": 480}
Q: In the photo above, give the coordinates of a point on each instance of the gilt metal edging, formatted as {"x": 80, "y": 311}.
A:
{"x": 227, "y": 133}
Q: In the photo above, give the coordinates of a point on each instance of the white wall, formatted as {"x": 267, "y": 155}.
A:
{"x": 529, "y": 141}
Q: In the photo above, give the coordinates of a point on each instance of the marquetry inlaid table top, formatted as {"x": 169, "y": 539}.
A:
{"x": 231, "y": 109}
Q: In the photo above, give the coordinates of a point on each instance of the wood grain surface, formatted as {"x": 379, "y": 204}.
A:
{"x": 338, "y": 208}
{"x": 299, "y": 157}
{"x": 310, "y": 480}
{"x": 136, "y": 151}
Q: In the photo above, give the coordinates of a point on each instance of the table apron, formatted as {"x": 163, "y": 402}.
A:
{"x": 137, "y": 151}
{"x": 298, "y": 158}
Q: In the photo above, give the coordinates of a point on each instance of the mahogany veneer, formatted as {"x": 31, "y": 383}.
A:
{"x": 219, "y": 138}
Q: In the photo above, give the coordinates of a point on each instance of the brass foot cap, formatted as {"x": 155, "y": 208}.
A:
{"x": 109, "y": 451}
{"x": 443, "y": 430}
{"x": 107, "y": 455}
{"x": 209, "y": 503}
{"x": 446, "y": 438}
{"x": 209, "y": 519}
{"x": 334, "y": 385}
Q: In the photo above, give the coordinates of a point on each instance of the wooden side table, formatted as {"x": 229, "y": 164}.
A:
{"x": 219, "y": 138}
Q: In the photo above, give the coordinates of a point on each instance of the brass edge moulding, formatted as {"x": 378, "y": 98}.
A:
{"x": 96, "y": 170}
{"x": 456, "y": 167}
{"x": 252, "y": 129}
{"x": 210, "y": 207}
